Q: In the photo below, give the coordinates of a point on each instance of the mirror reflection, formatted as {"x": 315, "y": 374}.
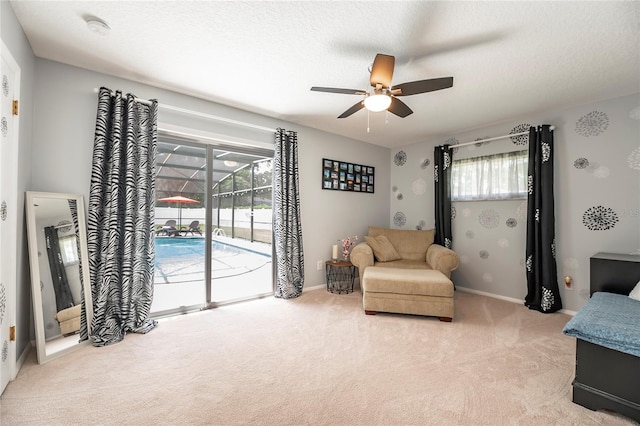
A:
{"x": 59, "y": 271}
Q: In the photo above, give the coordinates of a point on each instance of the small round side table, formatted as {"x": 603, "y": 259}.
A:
{"x": 340, "y": 276}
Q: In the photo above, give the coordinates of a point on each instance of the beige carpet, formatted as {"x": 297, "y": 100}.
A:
{"x": 316, "y": 360}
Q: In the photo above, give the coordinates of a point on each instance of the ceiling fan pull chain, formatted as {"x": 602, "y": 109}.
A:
{"x": 368, "y": 115}
{"x": 386, "y": 117}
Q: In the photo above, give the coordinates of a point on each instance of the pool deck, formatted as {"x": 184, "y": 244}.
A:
{"x": 235, "y": 277}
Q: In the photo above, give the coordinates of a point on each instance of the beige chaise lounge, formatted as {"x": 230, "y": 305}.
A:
{"x": 403, "y": 271}
{"x": 69, "y": 320}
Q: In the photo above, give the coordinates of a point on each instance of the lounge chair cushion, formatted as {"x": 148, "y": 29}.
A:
{"x": 382, "y": 248}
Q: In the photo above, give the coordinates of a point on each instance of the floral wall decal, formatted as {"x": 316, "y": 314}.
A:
{"x": 421, "y": 225}
{"x": 400, "y": 158}
{"x": 483, "y": 254}
{"x": 5, "y": 85}
{"x": 479, "y": 144}
{"x": 634, "y": 114}
{"x": 470, "y": 234}
{"x": 601, "y": 172}
{"x": 522, "y": 139}
{"x": 419, "y": 186}
{"x": 489, "y": 218}
{"x": 599, "y": 218}
{"x": 399, "y": 196}
{"x": 634, "y": 159}
{"x": 3, "y": 302}
{"x": 592, "y": 124}
{"x": 425, "y": 163}
{"x": 399, "y": 219}
{"x": 581, "y": 163}
{"x": 451, "y": 142}
{"x": 512, "y": 222}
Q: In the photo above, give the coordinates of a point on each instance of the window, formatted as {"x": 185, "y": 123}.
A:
{"x": 491, "y": 177}
{"x": 68, "y": 250}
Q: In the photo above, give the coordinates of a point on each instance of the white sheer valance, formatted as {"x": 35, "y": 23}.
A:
{"x": 490, "y": 177}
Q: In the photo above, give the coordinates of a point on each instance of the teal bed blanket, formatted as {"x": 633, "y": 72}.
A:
{"x": 609, "y": 320}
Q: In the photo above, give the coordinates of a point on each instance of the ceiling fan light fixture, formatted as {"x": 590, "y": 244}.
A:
{"x": 377, "y": 102}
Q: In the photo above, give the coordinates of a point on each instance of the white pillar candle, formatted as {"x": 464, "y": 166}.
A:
{"x": 334, "y": 251}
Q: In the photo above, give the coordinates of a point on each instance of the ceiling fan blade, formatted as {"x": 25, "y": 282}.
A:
{"x": 357, "y": 107}
{"x": 382, "y": 70}
{"x": 399, "y": 108}
{"x": 422, "y": 86}
{"x": 336, "y": 90}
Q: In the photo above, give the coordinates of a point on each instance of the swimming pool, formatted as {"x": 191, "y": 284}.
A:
{"x": 182, "y": 260}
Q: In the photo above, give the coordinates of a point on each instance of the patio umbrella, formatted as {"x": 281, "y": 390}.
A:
{"x": 178, "y": 199}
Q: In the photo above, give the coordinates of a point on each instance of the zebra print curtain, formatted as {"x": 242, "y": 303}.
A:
{"x": 286, "y": 217}
{"x": 121, "y": 217}
{"x": 442, "y": 157}
{"x": 84, "y": 331}
{"x": 542, "y": 277}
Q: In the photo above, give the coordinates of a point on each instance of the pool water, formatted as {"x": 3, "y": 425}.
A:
{"x": 182, "y": 260}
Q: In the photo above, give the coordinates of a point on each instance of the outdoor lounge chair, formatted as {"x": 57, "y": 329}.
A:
{"x": 194, "y": 228}
{"x": 169, "y": 229}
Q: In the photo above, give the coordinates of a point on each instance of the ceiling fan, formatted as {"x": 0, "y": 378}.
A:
{"x": 384, "y": 96}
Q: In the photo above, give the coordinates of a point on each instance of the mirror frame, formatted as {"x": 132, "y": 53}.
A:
{"x": 38, "y": 316}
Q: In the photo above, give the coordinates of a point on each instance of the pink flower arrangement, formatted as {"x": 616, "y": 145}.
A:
{"x": 346, "y": 245}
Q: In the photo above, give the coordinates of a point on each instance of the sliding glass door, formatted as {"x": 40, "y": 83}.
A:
{"x": 213, "y": 225}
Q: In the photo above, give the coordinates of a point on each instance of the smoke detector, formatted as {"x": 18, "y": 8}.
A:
{"x": 98, "y": 26}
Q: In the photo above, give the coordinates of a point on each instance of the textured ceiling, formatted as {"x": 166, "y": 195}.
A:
{"x": 508, "y": 59}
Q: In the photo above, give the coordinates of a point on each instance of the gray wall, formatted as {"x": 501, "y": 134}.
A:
{"x": 597, "y": 173}
{"x": 15, "y": 40}
{"x": 63, "y": 144}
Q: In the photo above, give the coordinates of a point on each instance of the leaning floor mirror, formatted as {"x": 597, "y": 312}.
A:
{"x": 58, "y": 256}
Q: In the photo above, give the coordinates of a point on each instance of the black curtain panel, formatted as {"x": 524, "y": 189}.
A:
{"x": 287, "y": 227}
{"x": 542, "y": 279}
{"x": 121, "y": 217}
{"x": 442, "y": 157}
{"x": 61, "y": 288}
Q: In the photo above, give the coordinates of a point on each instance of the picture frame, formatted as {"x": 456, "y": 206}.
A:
{"x": 344, "y": 176}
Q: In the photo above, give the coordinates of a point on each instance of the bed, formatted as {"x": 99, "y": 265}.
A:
{"x": 607, "y": 332}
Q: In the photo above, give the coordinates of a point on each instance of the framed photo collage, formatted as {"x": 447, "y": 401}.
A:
{"x": 343, "y": 176}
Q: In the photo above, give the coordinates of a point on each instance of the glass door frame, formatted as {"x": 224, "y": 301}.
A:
{"x": 209, "y": 148}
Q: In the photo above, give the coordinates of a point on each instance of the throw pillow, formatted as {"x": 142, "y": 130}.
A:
{"x": 635, "y": 293}
{"x": 382, "y": 248}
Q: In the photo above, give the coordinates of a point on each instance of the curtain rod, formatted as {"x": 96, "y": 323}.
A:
{"x": 202, "y": 114}
{"x": 135, "y": 98}
{"x": 459, "y": 145}
{"x": 63, "y": 226}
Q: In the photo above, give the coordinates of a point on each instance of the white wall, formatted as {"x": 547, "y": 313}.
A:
{"x": 63, "y": 143}
{"x": 606, "y": 134}
{"x": 15, "y": 40}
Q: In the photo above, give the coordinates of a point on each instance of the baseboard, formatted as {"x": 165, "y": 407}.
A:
{"x": 23, "y": 357}
{"x": 507, "y": 299}
{"x": 314, "y": 287}
{"x": 492, "y": 295}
